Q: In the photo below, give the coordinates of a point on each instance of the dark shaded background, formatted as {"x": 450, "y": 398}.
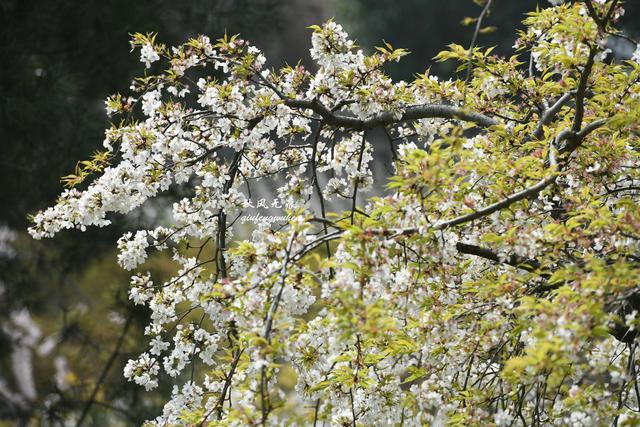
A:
{"x": 59, "y": 61}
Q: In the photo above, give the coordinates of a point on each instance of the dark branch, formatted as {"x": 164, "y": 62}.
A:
{"x": 504, "y": 203}
{"x": 609, "y": 14}
{"x": 411, "y": 113}
{"x": 549, "y": 114}
{"x": 581, "y": 91}
{"x": 484, "y": 12}
{"x": 593, "y": 13}
{"x": 513, "y": 260}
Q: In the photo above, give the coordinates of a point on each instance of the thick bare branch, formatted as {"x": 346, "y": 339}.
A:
{"x": 411, "y": 113}
{"x": 581, "y": 91}
{"x": 549, "y": 114}
{"x": 512, "y": 260}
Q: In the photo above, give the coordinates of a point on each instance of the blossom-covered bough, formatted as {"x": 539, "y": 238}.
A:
{"x": 497, "y": 283}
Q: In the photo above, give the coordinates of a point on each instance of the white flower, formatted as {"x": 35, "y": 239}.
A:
{"x": 151, "y": 102}
{"x": 157, "y": 346}
{"x": 636, "y": 54}
{"x": 143, "y": 371}
{"x": 502, "y": 418}
{"x": 148, "y": 55}
{"x": 132, "y": 249}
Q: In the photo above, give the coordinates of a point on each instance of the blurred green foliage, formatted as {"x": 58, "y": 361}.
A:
{"x": 60, "y": 60}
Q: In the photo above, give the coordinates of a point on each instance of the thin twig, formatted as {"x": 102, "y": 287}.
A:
{"x": 269, "y": 325}
{"x": 484, "y": 12}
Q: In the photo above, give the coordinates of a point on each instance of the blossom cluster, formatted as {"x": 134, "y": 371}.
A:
{"x": 493, "y": 284}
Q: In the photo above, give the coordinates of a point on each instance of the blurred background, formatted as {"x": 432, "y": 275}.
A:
{"x": 66, "y": 326}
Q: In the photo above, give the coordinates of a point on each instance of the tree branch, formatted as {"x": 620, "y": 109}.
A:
{"x": 549, "y": 114}
{"x": 484, "y": 12}
{"x": 271, "y": 314}
{"x": 513, "y": 260}
{"x": 504, "y": 203}
{"x": 222, "y": 218}
{"x": 410, "y": 113}
{"x": 612, "y": 8}
{"x": 581, "y": 91}
{"x": 316, "y": 184}
{"x": 593, "y": 14}
{"x": 601, "y": 21}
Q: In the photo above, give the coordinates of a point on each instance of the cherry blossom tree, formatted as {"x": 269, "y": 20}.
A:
{"x": 495, "y": 283}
